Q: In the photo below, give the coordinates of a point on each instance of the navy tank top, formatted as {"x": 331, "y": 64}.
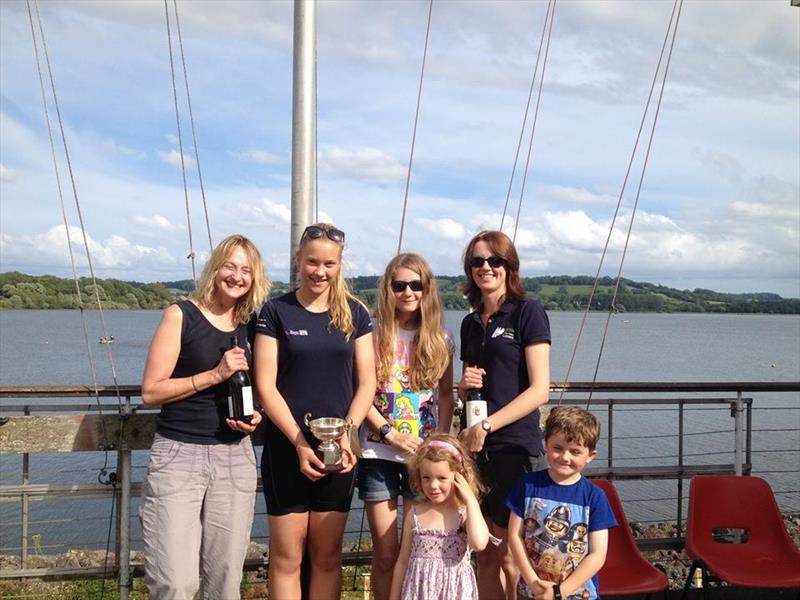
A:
{"x": 200, "y": 418}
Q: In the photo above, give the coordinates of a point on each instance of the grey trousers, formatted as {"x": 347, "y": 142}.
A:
{"x": 196, "y": 512}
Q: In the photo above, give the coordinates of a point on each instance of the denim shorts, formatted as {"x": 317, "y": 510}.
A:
{"x": 380, "y": 480}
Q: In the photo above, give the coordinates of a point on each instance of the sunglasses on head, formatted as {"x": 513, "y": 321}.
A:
{"x": 315, "y": 232}
{"x": 476, "y": 262}
{"x": 400, "y": 286}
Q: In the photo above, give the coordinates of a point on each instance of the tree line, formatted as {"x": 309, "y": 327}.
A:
{"x": 556, "y": 292}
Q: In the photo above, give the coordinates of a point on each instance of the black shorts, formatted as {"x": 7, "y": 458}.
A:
{"x": 287, "y": 490}
{"x": 499, "y": 472}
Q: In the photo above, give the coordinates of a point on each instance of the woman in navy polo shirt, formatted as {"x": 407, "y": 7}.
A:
{"x": 313, "y": 354}
{"x": 505, "y": 349}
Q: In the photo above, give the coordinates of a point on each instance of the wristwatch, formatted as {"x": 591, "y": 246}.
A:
{"x": 384, "y": 430}
{"x": 486, "y": 426}
{"x": 557, "y": 592}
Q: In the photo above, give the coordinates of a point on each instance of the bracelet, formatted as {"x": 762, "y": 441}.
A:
{"x": 193, "y": 385}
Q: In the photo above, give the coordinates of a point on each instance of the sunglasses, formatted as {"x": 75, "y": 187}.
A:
{"x": 315, "y": 232}
{"x": 400, "y": 286}
{"x": 476, "y": 262}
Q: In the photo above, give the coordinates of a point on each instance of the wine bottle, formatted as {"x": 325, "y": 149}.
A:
{"x": 240, "y": 398}
{"x": 476, "y": 407}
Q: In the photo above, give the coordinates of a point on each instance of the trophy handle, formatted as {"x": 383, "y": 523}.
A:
{"x": 348, "y": 424}
{"x": 305, "y": 419}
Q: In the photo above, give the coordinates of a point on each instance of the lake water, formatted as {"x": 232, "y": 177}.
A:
{"x": 47, "y": 348}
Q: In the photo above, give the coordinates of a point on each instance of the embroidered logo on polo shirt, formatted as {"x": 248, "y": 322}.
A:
{"x": 296, "y": 332}
{"x": 505, "y": 332}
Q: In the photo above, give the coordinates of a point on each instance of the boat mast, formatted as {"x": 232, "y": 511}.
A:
{"x": 304, "y": 125}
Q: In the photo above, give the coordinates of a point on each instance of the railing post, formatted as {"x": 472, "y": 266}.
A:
{"x": 610, "y": 459}
{"x": 679, "y": 520}
{"x": 25, "y": 504}
{"x": 737, "y": 410}
{"x": 124, "y": 530}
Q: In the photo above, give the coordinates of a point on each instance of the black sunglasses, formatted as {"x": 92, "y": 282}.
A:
{"x": 400, "y": 286}
{"x": 476, "y": 262}
{"x": 315, "y": 232}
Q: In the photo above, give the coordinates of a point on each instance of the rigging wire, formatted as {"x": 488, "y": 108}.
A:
{"x": 618, "y": 206}
{"x": 636, "y": 201}
{"x": 316, "y": 129}
{"x": 96, "y": 287}
{"x": 525, "y": 117}
{"x": 191, "y": 120}
{"x": 414, "y": 132}
{"x": 103, "y": 476}
{"x": 191, "y": 254}
{"x": 535, "y": 120}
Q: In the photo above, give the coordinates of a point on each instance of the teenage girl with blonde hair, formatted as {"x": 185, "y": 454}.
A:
{"x": 444, "y": 526}
{"x": 313, "y": 355}
{"x": 414, "y": 399}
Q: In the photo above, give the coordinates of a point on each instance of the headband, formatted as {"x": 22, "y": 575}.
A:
{"x": 446, "y": 446}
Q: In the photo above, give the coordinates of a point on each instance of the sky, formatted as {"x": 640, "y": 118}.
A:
{"x": 719, "y": 206}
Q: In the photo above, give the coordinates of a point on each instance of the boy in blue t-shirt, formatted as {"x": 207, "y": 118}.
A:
{"x": 558, "y": 531}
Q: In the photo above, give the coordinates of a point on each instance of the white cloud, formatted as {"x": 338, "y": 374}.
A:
{"x": 444, "y": 229}
{"x": 366, "y": 164}
{"x": 114, "y": 255}
{"x": 116, "y": 148}
{"x": 157, "y": 222}
{"x": 268, "y": 212}
{"x": 6, "y": 174}
{"x": 570, "y": 195}
{"x": 173, "y": 157}
{"x": 259, "y": 156}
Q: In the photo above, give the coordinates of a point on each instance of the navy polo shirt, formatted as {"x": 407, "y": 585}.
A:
{"x": 500, "y": 350}
{"x": 315, "y": 361}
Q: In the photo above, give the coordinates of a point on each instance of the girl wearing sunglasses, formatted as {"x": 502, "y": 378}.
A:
{"x": 313, "y": 354}
{"x": 414, "y": 399}
{"x": 505, "y": 349}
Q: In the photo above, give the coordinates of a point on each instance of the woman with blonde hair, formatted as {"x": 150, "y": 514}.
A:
{"x": 313, "y": 355}
{"x": 199, "y": 493}
{"x": 414, "y": 399}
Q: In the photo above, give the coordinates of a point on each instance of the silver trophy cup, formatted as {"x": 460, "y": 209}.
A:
{"x": 327, "y": 430}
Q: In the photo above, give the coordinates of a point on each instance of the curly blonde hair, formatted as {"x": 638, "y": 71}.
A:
{"x": 431, "y": 354}
{"x": 460, "y": 461}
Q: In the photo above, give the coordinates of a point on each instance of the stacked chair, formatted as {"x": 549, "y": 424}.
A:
{"x": 764, "y": 556}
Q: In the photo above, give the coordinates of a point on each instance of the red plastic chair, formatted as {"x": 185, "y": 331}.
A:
{"x": 626, "y": 571}
{"x": 767, "y": 558}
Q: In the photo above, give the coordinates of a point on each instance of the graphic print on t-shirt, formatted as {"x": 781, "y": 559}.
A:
{"x": 555, "y": 535}
{"x": 408, "y": 411}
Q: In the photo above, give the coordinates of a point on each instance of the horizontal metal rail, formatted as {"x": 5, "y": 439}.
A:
{"x": 78, "y": 428}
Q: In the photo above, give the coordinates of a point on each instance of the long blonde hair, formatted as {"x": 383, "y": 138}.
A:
{"x": 340, "y": 294}
{"x": 251, "y": 302}
{"x": 431, "y": 354}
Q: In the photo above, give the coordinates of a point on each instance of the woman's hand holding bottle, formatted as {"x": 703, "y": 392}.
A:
{"x": 232, "y": 361}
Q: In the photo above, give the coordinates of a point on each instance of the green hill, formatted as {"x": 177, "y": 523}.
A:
{"x": 556, "y": 292}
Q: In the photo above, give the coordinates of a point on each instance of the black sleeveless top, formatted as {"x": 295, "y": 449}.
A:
{"x": 200, "y": 418}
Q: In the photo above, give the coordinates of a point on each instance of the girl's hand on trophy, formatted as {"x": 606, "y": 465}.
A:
{"x": 310, "y": 466}
{"x": 349, "y": 459}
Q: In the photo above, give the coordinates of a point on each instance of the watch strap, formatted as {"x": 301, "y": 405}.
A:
{"x": 557, "y": 592}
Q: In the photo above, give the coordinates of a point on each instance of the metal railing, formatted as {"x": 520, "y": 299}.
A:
{"x": 127, "y": 427}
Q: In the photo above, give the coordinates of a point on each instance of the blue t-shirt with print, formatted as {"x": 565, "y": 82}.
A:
{"x": 556, "y": 522}
{"x": 315, "y": 360}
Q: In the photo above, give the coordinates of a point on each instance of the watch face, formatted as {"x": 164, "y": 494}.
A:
{"x": 385, "y": 429}
{"x": 486, "y": 426}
